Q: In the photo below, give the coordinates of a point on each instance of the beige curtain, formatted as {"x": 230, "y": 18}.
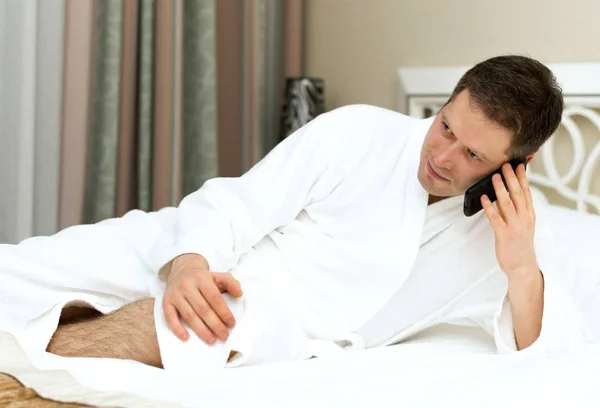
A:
{"x": 79, "y": 27}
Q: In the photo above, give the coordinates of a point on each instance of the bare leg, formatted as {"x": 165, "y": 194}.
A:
{"x": 128, "y": 333}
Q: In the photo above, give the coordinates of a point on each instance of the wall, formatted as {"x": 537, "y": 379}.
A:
{"x": 357, "y": 45}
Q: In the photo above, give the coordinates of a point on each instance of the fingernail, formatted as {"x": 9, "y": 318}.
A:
{"x": 211, "y": 340}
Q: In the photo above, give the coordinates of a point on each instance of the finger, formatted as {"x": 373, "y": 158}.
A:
{"x": 522, "y": 176}
{"x": 217, "y": 303}
{"x": 188, "y": 314}
{"x": 208, "y": 316}
{"x": 514, "y": 188}
{"x": 506, "y": 208}
{"x": 492, "y": 214}
{"x": 173, "y": 321}
{"x": 227, "y": 283}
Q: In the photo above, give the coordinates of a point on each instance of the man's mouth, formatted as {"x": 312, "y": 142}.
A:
{"x": 433, "y": 173}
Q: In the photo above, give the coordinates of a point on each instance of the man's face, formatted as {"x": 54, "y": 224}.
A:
{"x": 461, "y": 147}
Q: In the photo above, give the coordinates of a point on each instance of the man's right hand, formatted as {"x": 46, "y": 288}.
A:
{"x": 195, "y": 294}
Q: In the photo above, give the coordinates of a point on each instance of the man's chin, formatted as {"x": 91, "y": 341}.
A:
{"x": 431, "y": 187}
{"x": 440, "y": 193}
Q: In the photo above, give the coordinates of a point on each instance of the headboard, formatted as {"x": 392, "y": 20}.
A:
{"x": 566, "y": 169}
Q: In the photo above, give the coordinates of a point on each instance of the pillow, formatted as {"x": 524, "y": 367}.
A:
{"x": 577, "y": 238}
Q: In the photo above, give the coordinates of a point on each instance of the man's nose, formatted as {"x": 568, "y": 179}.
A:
{"x": 444, "y": 157}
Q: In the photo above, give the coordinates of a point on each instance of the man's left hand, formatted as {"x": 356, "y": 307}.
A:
{"x": 513, "y": 222}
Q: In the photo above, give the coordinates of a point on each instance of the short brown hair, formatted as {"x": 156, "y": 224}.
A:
{"x": 520, "y": 94}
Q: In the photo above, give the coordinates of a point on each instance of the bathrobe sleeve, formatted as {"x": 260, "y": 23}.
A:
{"x": 227, "y": 216}
{"x": 563, "y": 326}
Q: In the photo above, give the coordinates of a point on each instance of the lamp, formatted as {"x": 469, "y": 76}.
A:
{"x": 303, "y": 101}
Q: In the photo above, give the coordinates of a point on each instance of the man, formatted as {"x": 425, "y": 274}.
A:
{"x": 349, "y": 234}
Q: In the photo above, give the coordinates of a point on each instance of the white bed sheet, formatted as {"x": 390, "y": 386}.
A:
{"x": 448, "y": 366}
{"x": 577, "y": 235}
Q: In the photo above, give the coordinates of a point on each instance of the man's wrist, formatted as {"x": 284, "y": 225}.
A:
{"x": 181, "y": 262}
{"x": 525, "y": 281}
{"x": 523, "y": 276}
{"x": 190, "y": 259}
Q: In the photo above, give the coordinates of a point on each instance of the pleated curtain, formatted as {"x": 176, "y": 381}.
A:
{"x": 113, "y": 105}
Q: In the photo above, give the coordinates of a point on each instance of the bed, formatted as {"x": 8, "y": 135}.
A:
{"x": 443, "y": 366}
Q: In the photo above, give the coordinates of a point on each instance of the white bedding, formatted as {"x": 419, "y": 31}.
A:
{"x": 446, "y": 366}
{"x": 443, "y": 368}
{"x": 578, "y": 235}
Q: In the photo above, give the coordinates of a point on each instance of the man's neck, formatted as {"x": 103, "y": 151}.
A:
{"x": 434, "y": 199}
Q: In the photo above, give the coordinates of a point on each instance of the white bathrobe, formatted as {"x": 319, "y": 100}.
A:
{"x": 366, "y": 261}
{"x": 335, "y": 247}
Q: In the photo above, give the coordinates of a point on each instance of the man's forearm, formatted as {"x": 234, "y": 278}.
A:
{"x": 180, "y": 262}
{"x": 526, "y": 296}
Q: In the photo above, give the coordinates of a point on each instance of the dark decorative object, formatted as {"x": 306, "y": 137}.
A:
{"x": 304, "y": 101}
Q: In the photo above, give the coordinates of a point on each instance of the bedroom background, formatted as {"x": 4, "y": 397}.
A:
{"x": 109, "y": 105}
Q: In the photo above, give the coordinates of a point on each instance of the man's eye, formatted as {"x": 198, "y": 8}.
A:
{"x": 446, "y": 128}
{"x": 473, "y": 155}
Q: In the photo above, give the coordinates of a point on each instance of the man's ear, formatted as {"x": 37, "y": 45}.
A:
{"x": 530, "y": 158}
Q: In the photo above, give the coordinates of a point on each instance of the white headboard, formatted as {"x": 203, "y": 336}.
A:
{"x": 567, "y": 169}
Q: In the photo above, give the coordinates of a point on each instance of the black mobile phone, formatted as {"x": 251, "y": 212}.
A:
{"x": 472, "y": 204}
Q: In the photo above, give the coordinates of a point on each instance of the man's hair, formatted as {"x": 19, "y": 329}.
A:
{"x": 518, "y": 93}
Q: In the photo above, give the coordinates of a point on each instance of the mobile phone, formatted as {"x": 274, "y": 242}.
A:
{"x": 472, "y": 204}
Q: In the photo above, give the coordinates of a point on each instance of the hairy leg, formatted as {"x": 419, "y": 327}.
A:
{"x": 128, "y": 333}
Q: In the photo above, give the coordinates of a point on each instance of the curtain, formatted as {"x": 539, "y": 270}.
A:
{"x": 271, "y": 52}
{"x": 200, "y": 141}
{"x": 31, "y": 39}
{"x": 259, "y": 44}
{"x": 195, "y": 89}
{"x": 103, "y": 132}
{"x": 76, "y": 80}
{"x": 153, "y": 136}
{"x": 114, "y": 105}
